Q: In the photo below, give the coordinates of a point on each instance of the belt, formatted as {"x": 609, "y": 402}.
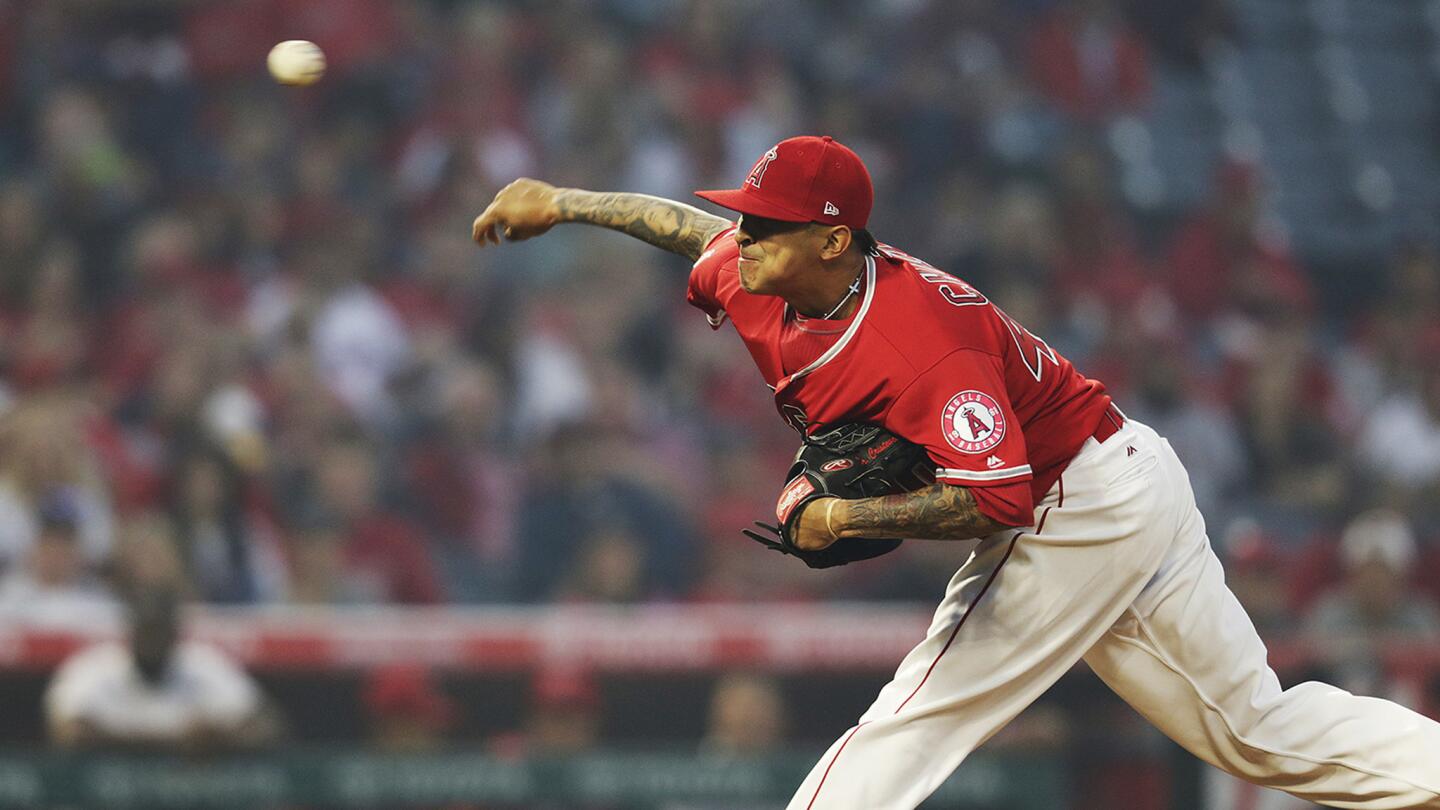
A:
{"x": 1109, "y": 424}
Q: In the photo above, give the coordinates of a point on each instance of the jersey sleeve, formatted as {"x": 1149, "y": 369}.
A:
{"x": 704, "y": 288}
{"x": 958, "y": 410}
{"x": 1010, "y": 504}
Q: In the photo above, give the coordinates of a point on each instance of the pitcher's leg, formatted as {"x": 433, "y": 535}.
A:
{"x": 1016, "y": 617}
{"x": 1188, "y": 658}
{"x": 905, "y": 745}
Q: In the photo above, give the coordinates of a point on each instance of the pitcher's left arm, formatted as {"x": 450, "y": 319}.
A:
{"x": 935, "y": 512}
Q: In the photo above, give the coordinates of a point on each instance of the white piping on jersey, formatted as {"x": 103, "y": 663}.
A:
{"x": 983, "y": 475}
{"x": 854, "y": 325}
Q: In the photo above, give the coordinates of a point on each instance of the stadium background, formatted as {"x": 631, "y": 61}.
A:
{"x": 245, "y": 343}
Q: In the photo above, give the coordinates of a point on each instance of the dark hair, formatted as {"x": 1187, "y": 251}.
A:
{"x": 866, "y": 241}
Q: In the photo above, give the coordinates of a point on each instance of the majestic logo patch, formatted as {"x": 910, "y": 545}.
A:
{"x": 837, "y": 464}
{"x": 973, "y": 422}
{"x": 757, "y": 174}
{"x": 793, "y": 494}
{"x": 993, "y": 462}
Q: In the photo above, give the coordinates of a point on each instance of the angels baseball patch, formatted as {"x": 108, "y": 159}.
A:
{"x": 973, "y": 422}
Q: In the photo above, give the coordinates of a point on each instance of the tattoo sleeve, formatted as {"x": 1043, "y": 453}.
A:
{"x": 936, "y": 512}
{"x": 666, "y": 224}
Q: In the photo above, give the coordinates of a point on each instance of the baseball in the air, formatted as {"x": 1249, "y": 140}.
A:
{"x": 297, "y": 62}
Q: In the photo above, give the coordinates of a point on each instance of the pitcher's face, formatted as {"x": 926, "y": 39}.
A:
{"x": 774, "y": 254}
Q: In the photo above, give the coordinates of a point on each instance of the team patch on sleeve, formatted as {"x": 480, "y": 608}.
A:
{"x": 973, "y": 422}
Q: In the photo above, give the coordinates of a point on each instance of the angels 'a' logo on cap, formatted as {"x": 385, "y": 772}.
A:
{"x": 973, "y": 422}
{"x": 758, "y": 173}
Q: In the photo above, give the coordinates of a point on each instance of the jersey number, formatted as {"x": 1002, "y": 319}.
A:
{"x": 1033, "y": 350}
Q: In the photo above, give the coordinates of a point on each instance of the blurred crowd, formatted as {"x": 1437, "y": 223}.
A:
{"x": 245, "y": 323}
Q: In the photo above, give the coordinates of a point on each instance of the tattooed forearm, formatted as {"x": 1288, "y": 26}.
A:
{"x": 937, "y": 512}
{"x": 674, "y": 226}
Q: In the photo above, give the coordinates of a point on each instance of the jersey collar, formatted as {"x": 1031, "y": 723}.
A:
{"x": 844, "y": 340}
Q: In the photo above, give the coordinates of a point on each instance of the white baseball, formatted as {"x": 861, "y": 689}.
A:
{"x": 297, "y": 62}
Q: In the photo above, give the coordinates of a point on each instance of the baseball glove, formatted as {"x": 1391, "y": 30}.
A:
{"x": 855, "y": 460}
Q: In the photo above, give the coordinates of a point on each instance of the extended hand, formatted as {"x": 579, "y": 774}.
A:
{"x": 523, "y": 209}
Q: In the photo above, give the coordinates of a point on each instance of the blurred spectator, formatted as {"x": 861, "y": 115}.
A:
{"x": 1021, "y": 246}
{"x": 53, "y": 586}
{"x": 50, "y": 336}
{"x": 1389, "y": 340}
{"x": 1100, "y": 266}
{"x": 552, "y": 386}
{"x": 1087, "y": 60}
{"x": 1257, "y": 571}
{"x": 156, "y": 692}
{"x": 747, "y": 716}
{"x": 95, "y": 183}
{"x": 359, "y": 341}
{"x": 1285, "y": 400}
{"x": 464, "y": 488}
{"x": 1170, "y": 397}
{"x": 588, "y": 480}
{"x": 22, "y": 235}
{"x": 406, "y": 711}
{"x": 1221, "y": 256}
{"x": 609, "y": 568}
{"x": 1182, "y": 33}
{"x": 230, "y": 551}
{"x": 563, "y": 715}
{"x": 1374, "y": 604}
{"x": 565, "y": 711}
{"x": 384, "y": 555}
{"x": 43, "y": 455}
{"x": 317, "y": 566}
{"x": 1400, "y": 439}
{"x": 147, "y": 555}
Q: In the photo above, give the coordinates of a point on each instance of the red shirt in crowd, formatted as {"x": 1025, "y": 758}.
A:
{"x": 392, "y": 553}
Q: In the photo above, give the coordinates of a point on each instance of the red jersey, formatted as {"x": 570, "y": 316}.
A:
{"x": 929, "y": 358}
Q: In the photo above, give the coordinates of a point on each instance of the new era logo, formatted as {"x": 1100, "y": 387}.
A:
{"x": 1129, "y": 451}
{"x": 831, "y": 210}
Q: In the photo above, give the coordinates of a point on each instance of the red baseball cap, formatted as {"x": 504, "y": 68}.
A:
{"x": 804, "y": 179}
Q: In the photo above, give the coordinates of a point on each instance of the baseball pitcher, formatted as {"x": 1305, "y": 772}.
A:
{"x": 1091, "y": 546}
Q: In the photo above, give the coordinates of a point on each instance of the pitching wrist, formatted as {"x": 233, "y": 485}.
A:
{"x": 836, "y": 520}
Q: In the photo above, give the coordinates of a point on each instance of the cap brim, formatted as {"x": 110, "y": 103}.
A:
{"x": 739, "y": 200}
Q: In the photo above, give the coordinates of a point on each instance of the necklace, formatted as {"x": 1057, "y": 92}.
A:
{"x": 854, "y": 288}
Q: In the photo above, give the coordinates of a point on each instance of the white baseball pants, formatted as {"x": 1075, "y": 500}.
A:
{"x": 1117, "y": 570}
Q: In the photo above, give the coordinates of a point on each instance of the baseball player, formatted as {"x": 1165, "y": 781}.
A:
{"x": 1090, "y": 544}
